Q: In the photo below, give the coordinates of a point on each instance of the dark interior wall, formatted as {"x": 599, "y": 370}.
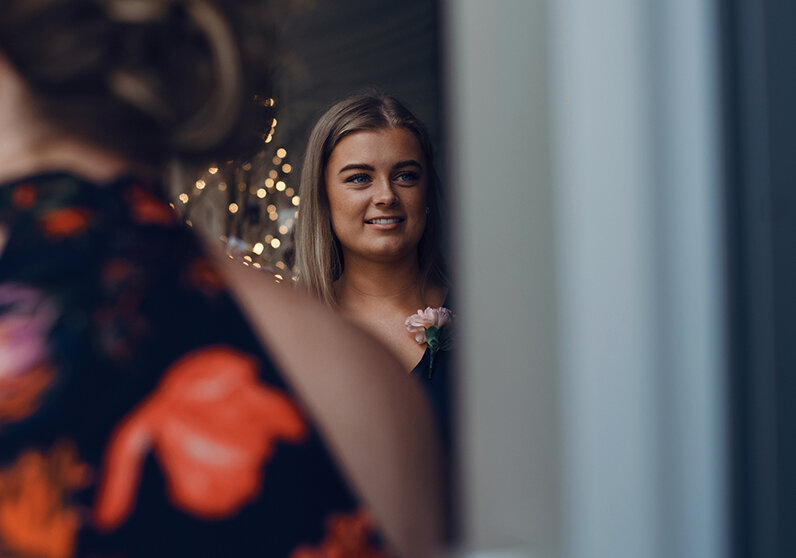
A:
{"x": 338, "y": 47}
{"x": 760, "y": 117}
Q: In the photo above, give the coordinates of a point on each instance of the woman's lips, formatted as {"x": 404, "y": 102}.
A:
{"x": 385, "y": 223}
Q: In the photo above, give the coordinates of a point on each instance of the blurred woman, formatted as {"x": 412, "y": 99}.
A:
{"x": 157, "y": 399}
{"x": 369, "y": 233}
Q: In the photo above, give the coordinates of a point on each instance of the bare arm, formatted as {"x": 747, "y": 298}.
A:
{"x": 368, "y": 409}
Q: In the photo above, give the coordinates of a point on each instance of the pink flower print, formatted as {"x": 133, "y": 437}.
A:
{"x": 25, "y": 321}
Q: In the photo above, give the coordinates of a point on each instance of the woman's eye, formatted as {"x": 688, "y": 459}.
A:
{"x": 407, "y": 177}
{"x": 358, "y": 179}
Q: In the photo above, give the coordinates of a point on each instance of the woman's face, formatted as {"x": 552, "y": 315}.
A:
{"x": 376, "y": 182}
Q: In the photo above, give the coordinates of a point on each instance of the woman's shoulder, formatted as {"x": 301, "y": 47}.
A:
{"x": 372, "y": 415}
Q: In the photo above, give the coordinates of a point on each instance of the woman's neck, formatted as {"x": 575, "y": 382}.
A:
{"x": 30, "y": 145}
{"x": 366, "y": 283}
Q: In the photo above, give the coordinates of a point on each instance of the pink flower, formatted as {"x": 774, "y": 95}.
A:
{"x": 423, "y": 319}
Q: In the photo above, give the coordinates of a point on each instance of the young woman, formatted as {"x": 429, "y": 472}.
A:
{"x": 157, "y": 399}
{"x": 369, "y": 232}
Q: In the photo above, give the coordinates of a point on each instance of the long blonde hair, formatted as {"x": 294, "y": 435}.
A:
{"x": 318, "y": 252}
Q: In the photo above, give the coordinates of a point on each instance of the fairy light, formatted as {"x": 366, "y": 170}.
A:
{"x": 268, "y": 238}
{"x": 258, "y": 248}
{"x": 189, "y": 223}
{"x": 184, "y": 197}
{"x": 295, "y": 213}
{"x": 275, "y": 243}
{"x": 242, "y": 186}
{"x": 281, "y": 265}
{"x": 286, "y": 168}
{"x": 280, "y": 186}
{"x": 233, "y": 208}
{"x": 271, "y": 208}
{"x": 268, "y": 138}
{"x": 269, "y": 182}
{"x": 281, "y": 152}
{"x": 171, "y": 205}
{"x": 247, "y": 166}
{"x": 261, "y": 193}
{"x": 200, "y": 184}
{"x": 212, "y": 170}
{"x": 283, "y": 229}
{"x": 257, "y": 265}
{"x": 272, "y": 174}
{"x": 296, "y": 200}
{"x": 273, "y": 216}
{"x": 289, "y": 192}
{"x": 247, "y": 257}
{"x": 279, "y": 277}
{"x": 276, "y": 160}
{"x": 222, "y": 186}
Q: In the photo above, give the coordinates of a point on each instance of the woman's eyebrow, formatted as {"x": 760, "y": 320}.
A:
{"x": 409, "y": 163}
{"x": 356, "y": 166}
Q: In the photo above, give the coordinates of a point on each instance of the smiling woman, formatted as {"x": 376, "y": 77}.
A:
{"x": 368, "y": 237}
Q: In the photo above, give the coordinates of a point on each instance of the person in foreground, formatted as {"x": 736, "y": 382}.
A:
{"x": 156, "y": 398}
{"x": 369, "y": 234}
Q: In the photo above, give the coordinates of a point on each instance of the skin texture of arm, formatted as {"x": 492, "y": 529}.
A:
{"x": 367, "y": 408}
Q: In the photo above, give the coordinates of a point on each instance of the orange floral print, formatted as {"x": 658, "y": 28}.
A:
{"x": 147, "y": 209}
{"x": 24, "y": 196}
{"x": 35, "y": 516}
{"x": 65, "y": 222}
{"x": 347, "y": 536}
{"x": 212, "y": 426}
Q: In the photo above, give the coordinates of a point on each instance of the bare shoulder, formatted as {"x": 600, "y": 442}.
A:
{"x": 371, "y": 413}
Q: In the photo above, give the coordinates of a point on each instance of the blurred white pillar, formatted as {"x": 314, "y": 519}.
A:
{"x": 640, "y": 278}
{"x": 587, "y": 218}
{"x": 501, "y": 201}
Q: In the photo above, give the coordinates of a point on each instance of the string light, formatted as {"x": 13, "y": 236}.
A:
{"x": 275, "y": 243}
{"x": 296, "y": 200}
{"x": 200, "y": 184}
{"x": 286, "y": 168}
{"x": 222, "y": 186}
{"x": 276, "y": 160}
{"x": 281, "y": 152}
{"x": 289, "y": 192}
{"x": 283, "y": 229}
{"x": 184, "y": 197}
{"x": 212, "y": 170}
{"x": 233, "y": 208}
{"x": 272, "y": 174}
{"x": 258, "y": 248}
{"x": 261, "y": 193}
{"x": 280, "y": 186}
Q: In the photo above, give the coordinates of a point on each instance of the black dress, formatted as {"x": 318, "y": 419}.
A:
{"x": 138, "y": 414}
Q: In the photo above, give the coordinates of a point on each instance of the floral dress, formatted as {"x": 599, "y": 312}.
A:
{"x": 139, "y": 415}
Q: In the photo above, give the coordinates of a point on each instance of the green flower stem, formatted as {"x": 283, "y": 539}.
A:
{"x": 433, "y": 343}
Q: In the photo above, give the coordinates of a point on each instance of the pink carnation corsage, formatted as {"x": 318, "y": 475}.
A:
{"x": 426, "y": 326}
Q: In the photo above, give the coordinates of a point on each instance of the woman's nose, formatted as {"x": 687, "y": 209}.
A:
{"x": 384, "y": 194}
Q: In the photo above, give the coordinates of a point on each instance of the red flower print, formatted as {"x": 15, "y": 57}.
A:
{"x": 147, "y": 209}
{"x": 347, "y": 536}
{"x": 203, "y": 276}
{"x": 68, "y": 221}
{"x": 25, "y": 320}
{"x": 212, "y": 426}
{"x": 24, "y": 196}
{"x": 35, "y": 516}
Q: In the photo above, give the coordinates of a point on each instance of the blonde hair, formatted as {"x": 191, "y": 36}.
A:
{"x": 318, "y": 252}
